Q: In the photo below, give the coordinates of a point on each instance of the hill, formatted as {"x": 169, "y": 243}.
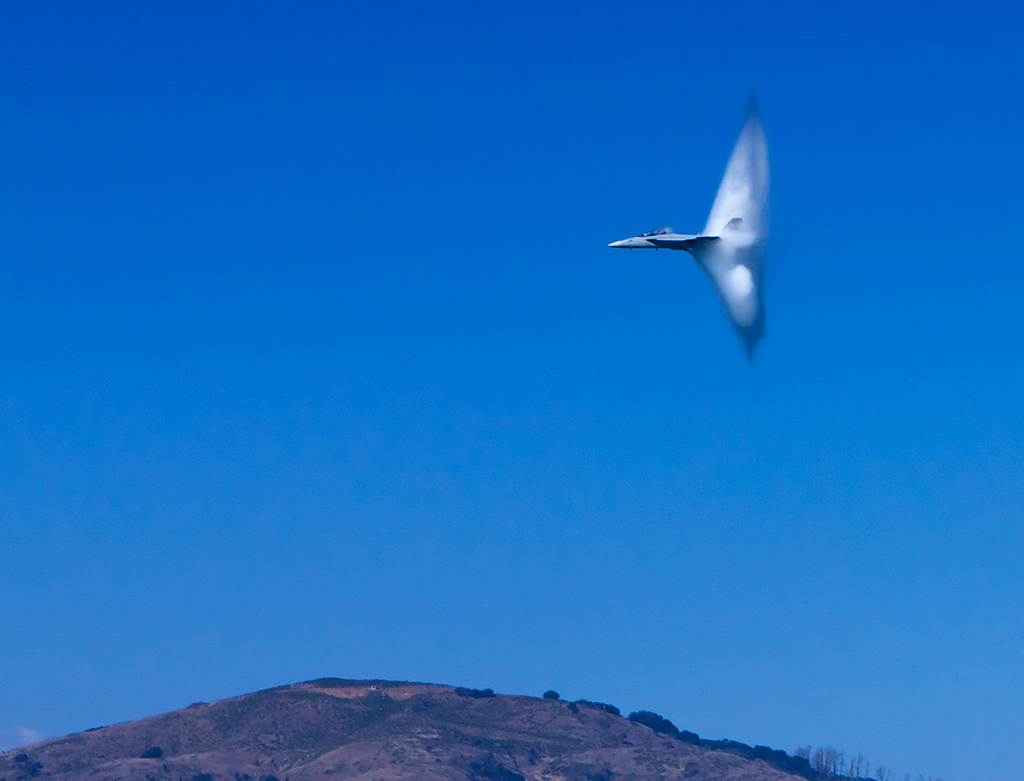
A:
{"x": 380, "y": 731}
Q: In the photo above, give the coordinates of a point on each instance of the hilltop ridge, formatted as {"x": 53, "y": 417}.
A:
{"x": 383, "y": 731}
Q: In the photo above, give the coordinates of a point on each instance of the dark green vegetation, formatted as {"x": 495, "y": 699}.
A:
{"x": 490, "y": 769}
{"x": 777, "y": 758}
{"x": 384, "y": 731}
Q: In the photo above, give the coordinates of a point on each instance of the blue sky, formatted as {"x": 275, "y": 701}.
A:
{"x": 315, "y": 362}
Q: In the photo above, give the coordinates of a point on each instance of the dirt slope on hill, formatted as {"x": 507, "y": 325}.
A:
{"x": 379, "y": 731}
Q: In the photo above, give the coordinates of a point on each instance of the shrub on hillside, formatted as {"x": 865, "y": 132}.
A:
{"x": 153, "y": 752}
{"x": 732, "y": 746}
{"x": 798, "y": 766}
{"x": 462, "y": 691}
{"x": 655, "y": 722}
{"x": 769, "y": 754}
{"x": 491, "y": 769}
{"x": 551, "y": 694}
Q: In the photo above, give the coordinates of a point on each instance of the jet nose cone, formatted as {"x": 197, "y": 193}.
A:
{"x": 635, "y": 242}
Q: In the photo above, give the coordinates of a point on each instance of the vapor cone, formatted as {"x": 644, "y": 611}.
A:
{"x": 739, "y": 219}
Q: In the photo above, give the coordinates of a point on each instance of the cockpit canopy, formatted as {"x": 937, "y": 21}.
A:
{"x": 657, "y": 232}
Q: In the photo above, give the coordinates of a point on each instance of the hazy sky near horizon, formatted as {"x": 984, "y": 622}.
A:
{"x": 315, "y": 362}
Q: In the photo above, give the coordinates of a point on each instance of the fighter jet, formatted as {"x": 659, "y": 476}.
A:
{"x": 730, "y": 249}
